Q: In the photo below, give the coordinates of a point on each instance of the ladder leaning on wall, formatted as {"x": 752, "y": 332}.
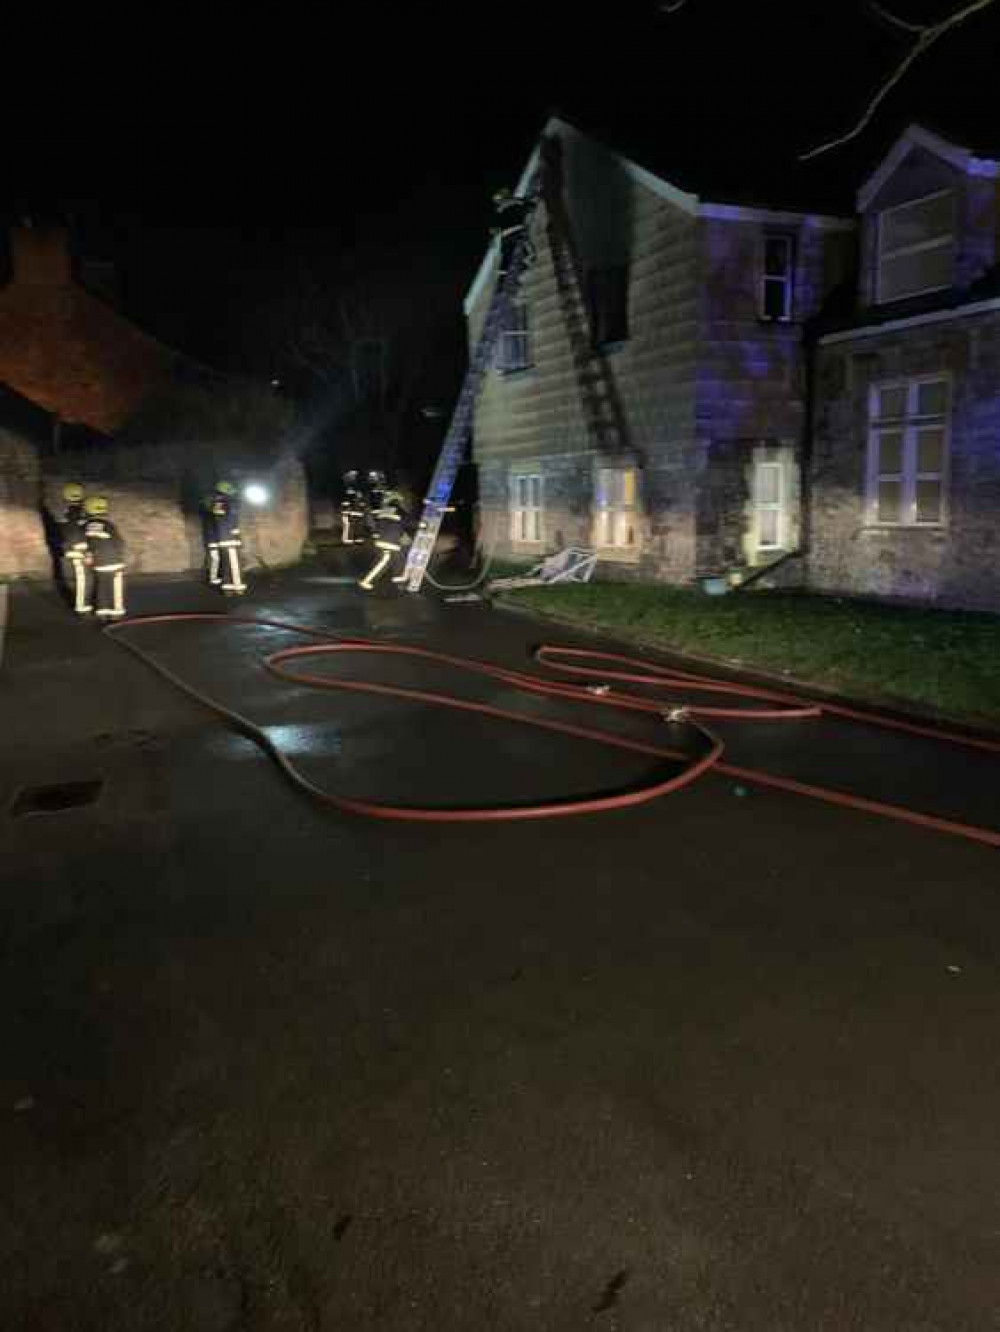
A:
{"x": 597, "y": 387}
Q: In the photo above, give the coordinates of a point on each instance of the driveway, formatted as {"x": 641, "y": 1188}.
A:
{"x": 724, "y": 1061}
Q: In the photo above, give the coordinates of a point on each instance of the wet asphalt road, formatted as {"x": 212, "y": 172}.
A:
{"x": 722, "y": 1062}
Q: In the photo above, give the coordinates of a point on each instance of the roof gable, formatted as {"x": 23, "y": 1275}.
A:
{"x": 915, "y": 136}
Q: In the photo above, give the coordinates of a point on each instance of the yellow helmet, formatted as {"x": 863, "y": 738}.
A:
{"x": 72, "y": 492}
{"x": 96, "y": 506}
{"x": 226, "y": 488}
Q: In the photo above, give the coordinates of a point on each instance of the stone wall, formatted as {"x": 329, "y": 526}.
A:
{"x": 154, "y": 497}
{"x": 958, "y": 563}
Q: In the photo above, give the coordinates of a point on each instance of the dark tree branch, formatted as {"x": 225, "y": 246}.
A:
{"x": 925, "y": 37}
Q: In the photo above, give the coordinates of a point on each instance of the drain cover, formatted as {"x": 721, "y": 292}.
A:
{"x": 55, "y": 799}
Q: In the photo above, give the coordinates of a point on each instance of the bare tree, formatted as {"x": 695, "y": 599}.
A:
{"x": 919, "y": 36}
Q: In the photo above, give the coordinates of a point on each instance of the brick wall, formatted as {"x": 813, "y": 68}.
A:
{"x": 957, "y": 564}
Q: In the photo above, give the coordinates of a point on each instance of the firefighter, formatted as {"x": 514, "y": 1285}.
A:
{"x": 352, "y": 511}
{"x": 73, "y": 546}
{"x": 223, "y": 540}
{"x": 104, "y": 554}
{"x": 514, "y": 213}
{"x": 392, "y": 534}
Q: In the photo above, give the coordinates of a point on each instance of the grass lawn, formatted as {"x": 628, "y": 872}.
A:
{"x": 942, "y": 661}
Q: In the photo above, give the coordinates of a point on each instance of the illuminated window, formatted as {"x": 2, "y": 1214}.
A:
{"x": 514, "y": 352}
{"x": 616, "y": 508}
{"x": 607, "y": 303}
{"x": 777, "y": 279}
{"x": 769, "y": 504}
{"x": 916, "y": 247}
{"x": 526, "y": 508}
{"x": 907, "y": 453}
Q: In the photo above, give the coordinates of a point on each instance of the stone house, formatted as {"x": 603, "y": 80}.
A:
{"x": 905, "y": 475}
{"x": 744, "y": 441}
{"x": 77, "y": 380}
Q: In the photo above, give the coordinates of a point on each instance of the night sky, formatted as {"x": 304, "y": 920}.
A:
{"x": 217, "y": 156}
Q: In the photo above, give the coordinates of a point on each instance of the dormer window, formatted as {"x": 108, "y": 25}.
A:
{"x": 916, "y": 247}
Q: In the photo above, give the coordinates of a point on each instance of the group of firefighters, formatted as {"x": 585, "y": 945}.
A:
{"x": 372, "y": 511}
{"x": 94, "y": 551}
{"x": 94, "y": 554}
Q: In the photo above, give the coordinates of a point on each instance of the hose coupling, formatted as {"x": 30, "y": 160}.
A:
{"x": 599, "y": 689}
{"x": 676, "y": 715}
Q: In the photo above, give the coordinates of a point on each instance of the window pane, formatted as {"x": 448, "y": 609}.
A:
{"x": 890, "y": 452}
{"x": 603, "y": 489}
{"x": 910, "y": 273}
{"x": 535, "y": 491}
{"x": 767, "y": 527}
{"x": 522, "y": 492}
{"x": 889, "y": 493}
{"x": 628, "y": 488}
{"x": 932, "y": 398}
{"x": 892, "y": 402}
{"x": 775, "y": 298}
{"x": 914, "y": 223}
{"x": 930, "y": 449}
{"x": 604, "y": 527}
{"x": 777, "y": 256}
{"x": 768, "y": 483}
{"x": 624, "y": 530}
{"x": 928, "y": 501}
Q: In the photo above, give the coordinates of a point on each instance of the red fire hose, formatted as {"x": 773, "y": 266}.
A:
{"x": 602, "y": 667}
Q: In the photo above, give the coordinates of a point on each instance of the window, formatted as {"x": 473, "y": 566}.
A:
{"x": 607, "y": 304}
{"x": 526, "y": 509}
{"x": 616, "y": 508}
{"x": 916, "y": 247}
{"x": 769, "y": 504}
{"x": 514, "y": 352}
{"x": 907, "y": 452}
{"x": 777, "y": 281}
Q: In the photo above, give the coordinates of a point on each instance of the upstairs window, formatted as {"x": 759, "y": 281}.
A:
{"x": 907, "y": 453}
{"x": 777, "y": 279}
{"x": 607, "y": 301}
{"x": 616, "y": 508}
{"x": 916, "y": 247}
{"x": 514, "y": 351}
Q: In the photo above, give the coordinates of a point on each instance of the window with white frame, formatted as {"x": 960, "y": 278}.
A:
{"x": 616, "y": 508}
{"x": 514, "y": 351}
{"x": 769, "y": 504}
{"x": 777, "y": 279}
{"x": 916, "y": 247}
{"x": 526, "y": 508}
{"x": 907, "y": 452}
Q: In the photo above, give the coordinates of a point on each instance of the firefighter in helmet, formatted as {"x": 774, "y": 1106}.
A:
{"x": 352, "y": 510}
{"x": 73, "y": 551}
{"x": 513, "y": 215}
{"x": 223, "y": 540}
{"x": 103, "y": 553}
{"x": 392, "y": 533}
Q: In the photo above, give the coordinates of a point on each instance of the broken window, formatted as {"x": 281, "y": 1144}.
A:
{"x": 607, "y": 302}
